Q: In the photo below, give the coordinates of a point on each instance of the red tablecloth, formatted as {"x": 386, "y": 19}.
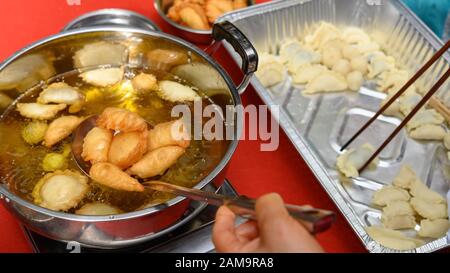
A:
{"x": 251, "y": 171}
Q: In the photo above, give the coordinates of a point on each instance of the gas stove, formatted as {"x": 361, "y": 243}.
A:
{"x": 192, "y": 237}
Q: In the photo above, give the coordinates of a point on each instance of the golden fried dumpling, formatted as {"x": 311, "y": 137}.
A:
{"x": 98, "y": 209}
{"x": 110, "y": 175}
{"x": 39, "y": 111}
{"x": 392, "y": 239}
{"x": 172, "y": 133}
{"x": 204, "y": 76}
{"x": 379, "y": 64}
{"x": 192, "y": 15}
{"x": 326, "y": 82}
{"x": 433, "y": 228}
{"x": 100, "y": 53}
{"x": 103, "y": 77}
{"x": 271, "y": 70}
{"x": 389, "y": 194}
{"x": 428, "y": 132}
{"x": 405, "y": 178}
{"x": 355, "y": 80}
{"x": 215, "y": 8}
{"x": 427, "y": 116}
{"x": 165, "y": 59}
{"x": 420, "y": 190}
{"x": 60, "y": 92}
{"x": 96, "y": 145}
{"x": 324, "y": 33}
{"x": 127, "y": 148}
{"x": 398, "y": 215}
{"x": 239, "y": 4}
{"x": 156, "y": 162}
{"x": 5, "y": 100}
{"x": 429, "y": 210}
{"x": 177, "y": 92}
{"x": 349, "y": 162}
{"x": 118, "y": 119}
{"x": 145, "y": 82}
{"x": 307, "y": 73}
{"x": 60, "y": 190}
{"x": 61, "y": 128}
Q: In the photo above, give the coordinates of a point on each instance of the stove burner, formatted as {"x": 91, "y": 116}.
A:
{"x": 193, "y": 237}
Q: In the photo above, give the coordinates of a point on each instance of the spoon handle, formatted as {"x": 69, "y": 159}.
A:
{"x": 314, "y": 220}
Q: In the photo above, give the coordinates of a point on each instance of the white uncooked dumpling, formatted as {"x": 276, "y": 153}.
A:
{"x": 405, "y": 178}
{"x": 354, "y": 35}
{"x": 350, "y": 51}
{"x": 393, "y": 239}
{"x": 427, "y": 116}
{"x": 328, "y": 81}
{"x": 433, "y": 228}
{"x": 393, "y": 80}
{"x": 98, "y": 209}
{"x": 393, "y": 109}
{"x": 288, "y": 49}
{"x": 368, "y": 47}
{"x": 447, "y": 141}
{"x": 307, "y": 73}
{"x": 324, "y": 33}
{"x": 420, "y": 190}
{"x": 428, "y": 132}
{"x": 352, "y": 160}
{"x": 429, "y": 210}
{"x": 360, "y": 63}
{"x": 271, "y": 70}
{"x": 389, "y": 194}
{"x": 342, "y": 67}
{"x": 380, "y": 64}
{"x": 330, "y": 56}
{"x": 103, "y": 77}
{"x": 100, "y": 53}
{"x": 355, "y": 80}
{"x": 301, "y": 58}
{"x": 408, "y": 102}
{"x": 398, "y": 215}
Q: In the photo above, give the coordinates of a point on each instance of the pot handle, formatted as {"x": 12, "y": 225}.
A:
{"x": 230, "y": 33}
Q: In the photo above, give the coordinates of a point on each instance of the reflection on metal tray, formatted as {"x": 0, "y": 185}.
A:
{"x": 318, "y": 125}
{"x": 191, "y": 237}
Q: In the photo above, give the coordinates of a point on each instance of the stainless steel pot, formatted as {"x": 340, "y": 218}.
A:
{"x": 54, "y": 55}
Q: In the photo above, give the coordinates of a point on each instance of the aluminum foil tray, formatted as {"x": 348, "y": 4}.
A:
{"x": 319, "y": 125}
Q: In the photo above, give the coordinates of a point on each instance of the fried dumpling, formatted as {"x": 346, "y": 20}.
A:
{"x": 39, "y": 111}
{"x": 349, "y": 162}
{"x": 98, "y": 209}
{"x": 119, "y": 119}
{"x": 270, "y": 71}
{"x": 61, "y": 128}
{"x": 380, "y": 64}
{"x": 60, "y": 190}
{"x": 427, "y": 116}
{"x": 110, "y": 175}
{"x": 5, "y": 100}
{"x": 156, "y": 162}
{"x": 392, "y": 239}
{"x": 145, "y": 82}
{"x": 420, "y": 190}
{"x": 324, "y": 33}
{"x": 127, "y": 148}
{"x": 405, "y": 178}
{"x": 165, "y": 59}
{"x": 429, "y": 210}
{"x": 398, "y": 215}
{"x": 96, "y": 145}
{"x": 103, "y": 77}
{"x": 205, "y": 77}
{"x": 176, "y": 92}
{"x": 60, "y": 93}
{"x": 433, "y": 228}
{"x": 389, "y": 194}
{"x": 172, "y": 133}
{"x": 355, "y": 80}
{"x": 408, "y": 102}
{"x": 326, "y": 82}
{"x": 428, "y": 132}
{"x": 307, "y": 73}
{"x": 100, "y": 53}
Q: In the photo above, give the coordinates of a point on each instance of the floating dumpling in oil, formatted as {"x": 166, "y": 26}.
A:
{"x": 172, "y": 133}
{"x": 176, "y": 92}
{"x": 60, "y": 92}
{"x": 113, "y": 118}
{"x": 39, "y": 111}
{"x": 349, "y": 162}
{"x": 96, "y": 145}
{"x": 100, "y": 53}
{"x": 103, "y": 77}
{"x": 145, "y": 82}
{"x": 61, "y": 128}
{"x": 98, "y": 209}
{"x": 127, "y": 148}
{"x": 112, "y": 176}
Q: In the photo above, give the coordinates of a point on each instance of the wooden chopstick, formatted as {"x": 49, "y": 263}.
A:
{"x": 419, "y": 73}
{"x": 440, "y": 107}
{"x": 422, "y": 102}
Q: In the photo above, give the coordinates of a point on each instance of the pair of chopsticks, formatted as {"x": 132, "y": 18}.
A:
{"x": 424, "y": 100}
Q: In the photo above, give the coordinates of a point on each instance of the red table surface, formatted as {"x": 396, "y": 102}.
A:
{"x": 251, "y": 171}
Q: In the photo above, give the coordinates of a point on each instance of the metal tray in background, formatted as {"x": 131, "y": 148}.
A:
{"x": 319, "y": 125}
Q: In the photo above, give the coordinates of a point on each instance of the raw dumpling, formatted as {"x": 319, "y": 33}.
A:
{"x": 145, "y": 82}
{"x": 103, "y": 77}
{"x": 429, "y": 210}
{"x": 349, "y": 162}
{"x": 288, "y": 49}
{"x": 326, "y": 82}
{"x": 360, "y": 63}
{"x": 350, "y": 51}
{"x": 119, "y": 119}
{"x": 176, "y": 92}
{"x": 408, "y": 102}
{"x": 355, "y": 80}
{"x": 420, "y": 190}
{"x": 301, "y": 58}
{"x": 428, "y": 132}
{"x": 379, "y": 64}
{"x": 392, "y": 239}
{"x": 96, "y": 145}
{"x": 100, "y": 53}
{"x": 398, "y": 215}
{"x": 433, "y": 228}
{"x": 324, "y": 33}
{"x": 112, "y": 176}
{"x": 393, "y": 80}
{"x": 172, "y": 133}
{"x": 60, "y": 93}
{"x": 61, "y": 128}
{"x": 270, "y": 71}
{"x": 342, "y": 67}
{"x": 405, "y": 178}
{"x": 367, "y": 47}
{"x": 98, "y": 209}
{"x": 428, "y": 116}
{"x": 60, "y": 190}
{"x": 307, "y": 73}
{"x": 331, "y": 56}
{"x": 354, "y": 35}
{"x": 39, "y": 111}
{"x": 393, "y": 109}
{"x": 389, "y": 194}
{"x": 127, "y": 148}
{"x": 447, "y": 141}
{"x": 156, "y": 162}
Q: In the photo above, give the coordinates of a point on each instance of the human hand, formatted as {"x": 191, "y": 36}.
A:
{"x": 274, "y": 231}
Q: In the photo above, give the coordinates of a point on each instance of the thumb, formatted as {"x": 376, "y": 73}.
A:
{"x": 271, "y": 215}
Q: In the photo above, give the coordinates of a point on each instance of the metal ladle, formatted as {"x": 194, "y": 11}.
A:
{"x": 315, "y": 220}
